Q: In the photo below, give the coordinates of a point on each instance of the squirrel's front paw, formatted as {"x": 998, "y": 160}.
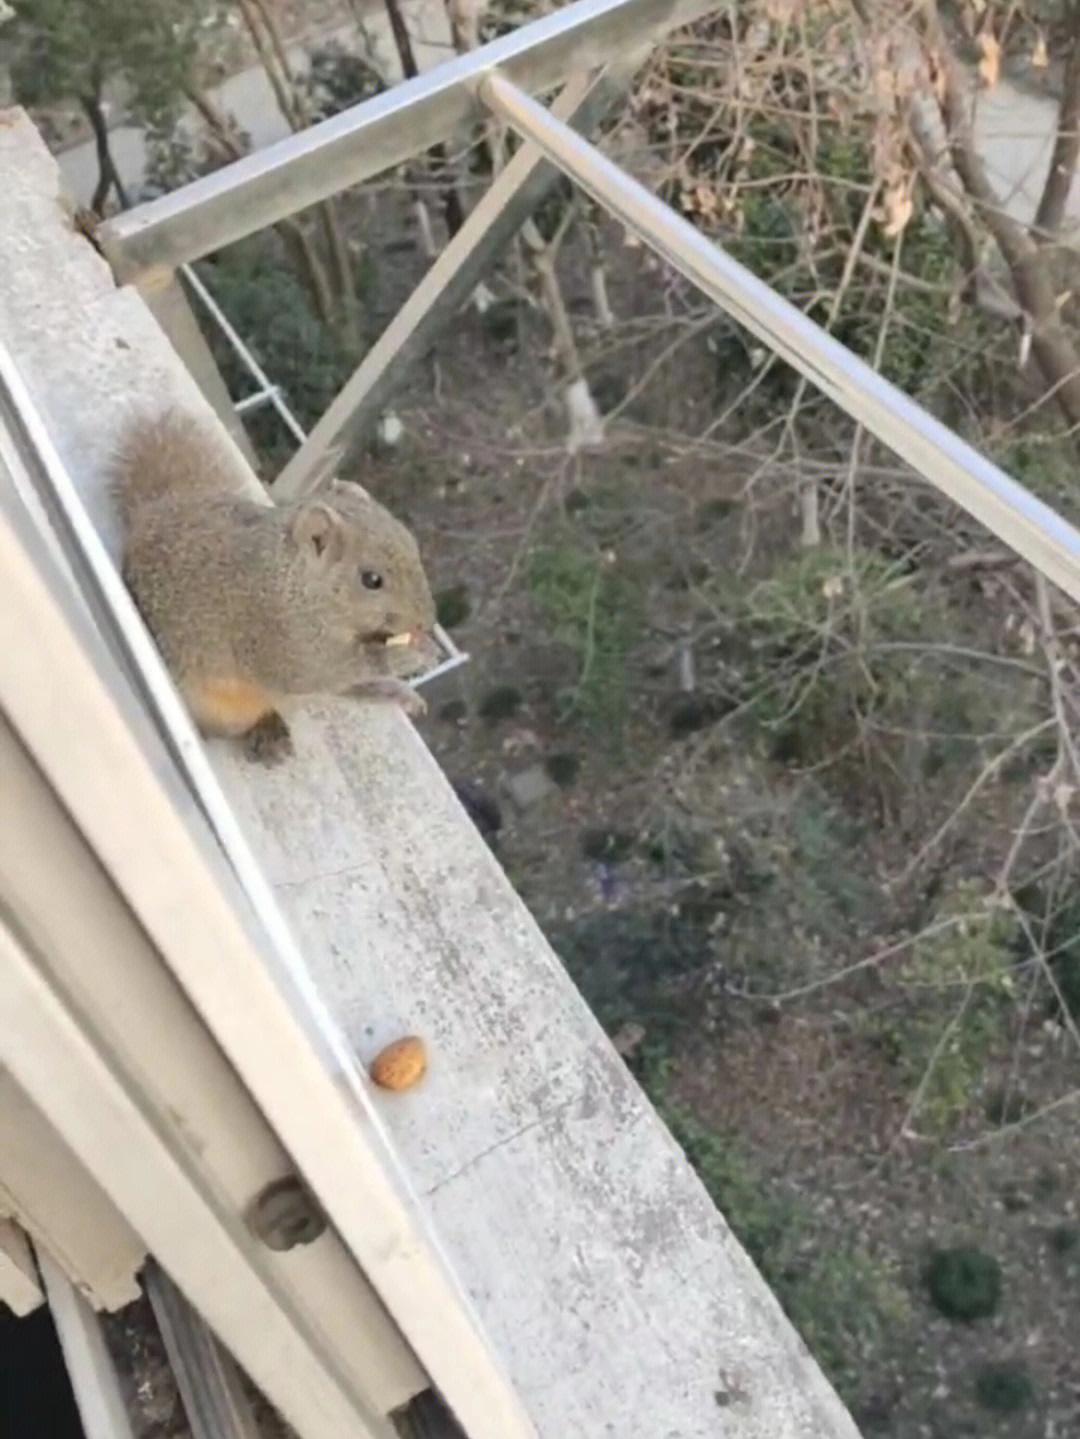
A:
{"x": 395, "y": 691}
{"x": 268, "y": 742}
{"x": 411, "y": 701}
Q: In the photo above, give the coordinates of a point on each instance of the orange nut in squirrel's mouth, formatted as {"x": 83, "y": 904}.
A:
{"x": 419, "y": 639}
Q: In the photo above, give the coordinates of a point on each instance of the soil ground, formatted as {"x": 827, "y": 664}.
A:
{"x": 738, "y": 913}
{"x": 788, "y": 873}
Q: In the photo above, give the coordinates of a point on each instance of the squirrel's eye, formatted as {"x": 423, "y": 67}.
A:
{"x": 371, "y": 580}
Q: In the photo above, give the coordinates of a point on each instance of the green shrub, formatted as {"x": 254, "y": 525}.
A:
{"x": 1004, "y": 1388}
{"x": 563, "y": 768}
{"x": 1006, "y": 1106}
{"x": 833, "y": 890}
{"x": 606, "y": 846}
{"x": 958, "y": 983}
{"x": 267, "y": 305}
{"x": 640, "y": 966}
{"x": 1065, "y": 1239}
{"x": 452, "y": 607}
{"x": 500, "y": 703}
{"x": 337, "y": 78}
{"x": 964, "y": 1283}
{"x": 818, "y": 676}
{"x": 1064, "y": 1242}
{"x": 595, "y": 609}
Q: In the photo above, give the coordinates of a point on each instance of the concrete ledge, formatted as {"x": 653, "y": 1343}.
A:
{"x": 50, "y": 1194}
{"x": 613, "y": 1290}
{"x": 19, "y": 1288}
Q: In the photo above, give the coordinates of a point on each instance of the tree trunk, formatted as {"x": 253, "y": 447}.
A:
{"x": 308, "y": 263}
{"x": 298, "y": 243}
{"x": 275, "y": 62}
{"x": 453, "y": 210}
{"x": 342, "y": 271}
{"x": 108, "y": 178}
{"x": 279, "y": 78}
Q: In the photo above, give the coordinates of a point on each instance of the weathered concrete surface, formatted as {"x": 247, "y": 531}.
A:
{"x": 613, "y": 1290}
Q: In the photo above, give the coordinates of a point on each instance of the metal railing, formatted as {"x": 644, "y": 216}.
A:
{"x": 379, "y": 133}
{"x": 366, "y": 139}
{"x": 268, "y": 392}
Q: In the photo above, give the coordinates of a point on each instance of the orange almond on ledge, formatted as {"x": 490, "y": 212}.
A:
{"x": 401, "y": 1064}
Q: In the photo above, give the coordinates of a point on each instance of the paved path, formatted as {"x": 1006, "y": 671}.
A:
{"x": 248, "y": 96}
{"x": 1015, "y": 130}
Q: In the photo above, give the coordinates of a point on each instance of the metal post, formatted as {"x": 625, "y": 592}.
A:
{"x": 206, "y": 1375}
{"x": 1011, "y": 512}
{"x": 376, "y": 135}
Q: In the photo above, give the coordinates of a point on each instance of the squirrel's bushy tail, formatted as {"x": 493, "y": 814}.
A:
{"x": 167, "y": 457}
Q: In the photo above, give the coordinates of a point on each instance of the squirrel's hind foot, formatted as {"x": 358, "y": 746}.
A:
{"x": 268, "y": 742}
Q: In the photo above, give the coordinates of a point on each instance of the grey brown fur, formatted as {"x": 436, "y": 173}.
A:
{"x": 248, "y": 599}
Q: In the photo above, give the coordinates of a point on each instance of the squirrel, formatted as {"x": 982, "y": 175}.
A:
{"x": 252, "y": 604}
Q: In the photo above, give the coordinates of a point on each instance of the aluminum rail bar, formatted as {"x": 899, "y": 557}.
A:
{"x": 246, "y": 976}
{"x": 1009, "y": 511}
{"x": 374, "y": 136}
{"x": 255, "y": 401}
{"x": 268, "y": 391}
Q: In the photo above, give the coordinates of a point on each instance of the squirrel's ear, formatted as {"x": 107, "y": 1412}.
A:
{"x": 318, "y": 528}
{"x": 349, "y": 489}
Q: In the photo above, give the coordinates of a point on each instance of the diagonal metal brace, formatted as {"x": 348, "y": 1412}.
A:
{"x": 509, "y": 201}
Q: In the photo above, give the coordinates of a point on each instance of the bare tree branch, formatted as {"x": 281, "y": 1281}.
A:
{"x": 453, "y": 209}
{"x": 292, "y": 232}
